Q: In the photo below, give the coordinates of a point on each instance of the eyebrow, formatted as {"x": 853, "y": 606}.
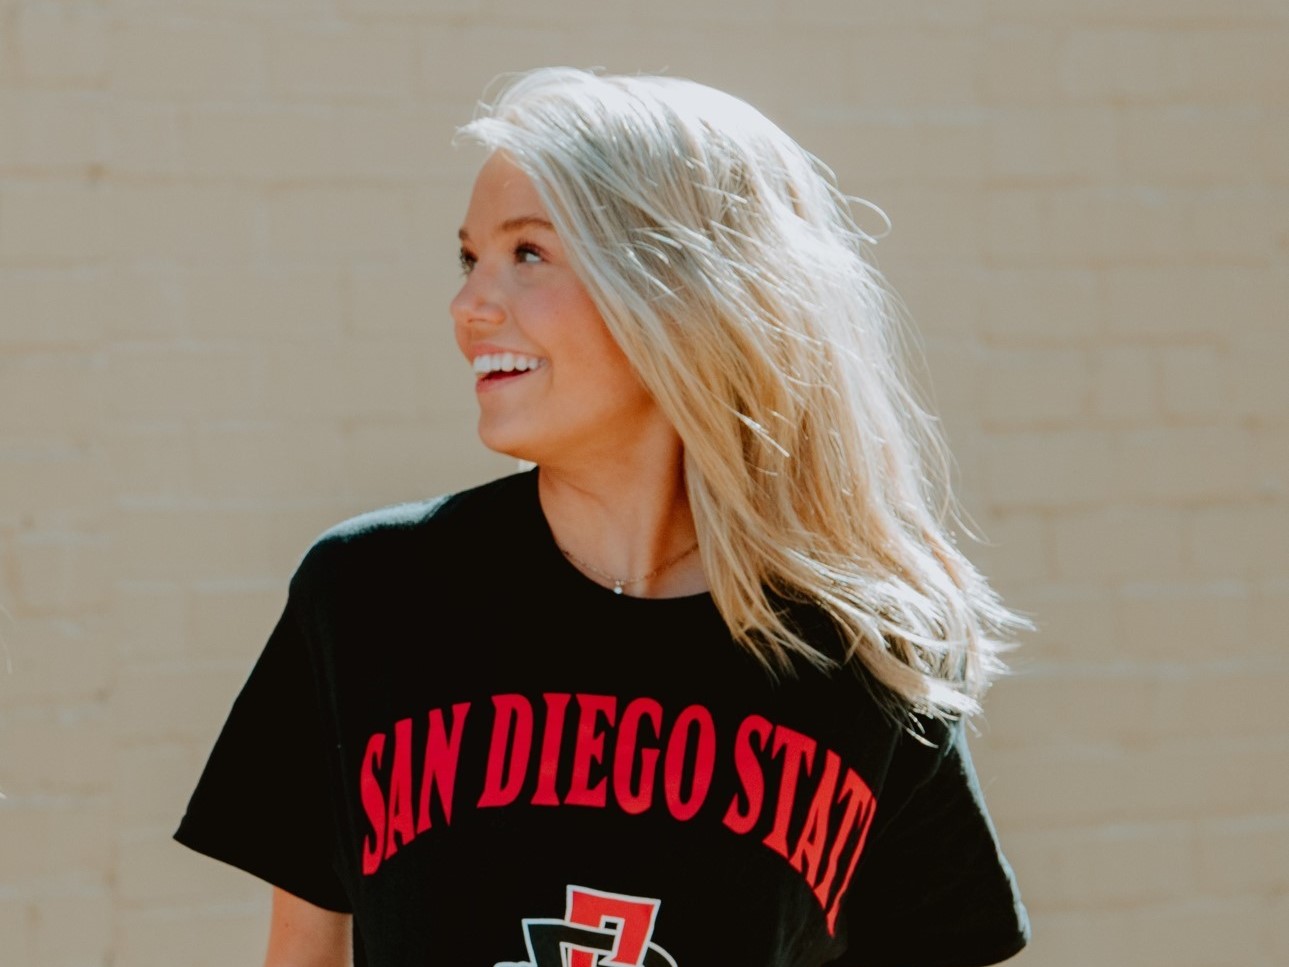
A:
{"x": 514, "y": 225}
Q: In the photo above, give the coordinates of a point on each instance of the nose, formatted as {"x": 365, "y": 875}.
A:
{"x": 476, "y": 303}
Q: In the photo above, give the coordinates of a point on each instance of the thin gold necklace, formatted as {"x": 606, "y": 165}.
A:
{"x": 620, "y": 583}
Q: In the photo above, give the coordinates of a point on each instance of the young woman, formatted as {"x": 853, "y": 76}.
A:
{"x": 691, "y": 691}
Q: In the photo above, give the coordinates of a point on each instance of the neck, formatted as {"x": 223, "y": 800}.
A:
{"x": 628, "y": 519}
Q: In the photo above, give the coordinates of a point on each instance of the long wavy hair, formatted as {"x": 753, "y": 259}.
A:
{"x": 729, "y": 268}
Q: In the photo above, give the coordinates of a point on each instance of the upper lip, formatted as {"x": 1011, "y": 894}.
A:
{"x": 489, "y": 349}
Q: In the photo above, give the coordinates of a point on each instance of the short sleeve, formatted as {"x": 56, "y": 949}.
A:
{"x": 263, "y": 802}
{"x": 933, "y": 888}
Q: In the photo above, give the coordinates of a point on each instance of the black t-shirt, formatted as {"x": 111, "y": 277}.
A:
{"x": 491, "y": 760}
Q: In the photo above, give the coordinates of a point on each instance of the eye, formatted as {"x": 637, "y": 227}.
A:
{"x": 466, "y": 261}
{"x": 528, "y": 254}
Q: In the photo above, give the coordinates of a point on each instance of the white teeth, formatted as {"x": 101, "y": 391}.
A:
{"x": 505, "y": 363}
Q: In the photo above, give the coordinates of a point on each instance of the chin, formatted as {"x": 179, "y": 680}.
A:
{"x": 510, "y": 444}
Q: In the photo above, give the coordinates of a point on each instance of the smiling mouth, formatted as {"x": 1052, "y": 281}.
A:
{"x": 497, "y": 367}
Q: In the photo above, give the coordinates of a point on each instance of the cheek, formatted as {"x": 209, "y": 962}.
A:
{"x": 614, "y": 381}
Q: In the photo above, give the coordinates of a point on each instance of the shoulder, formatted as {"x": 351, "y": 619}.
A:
{"x": 380, "y": 541}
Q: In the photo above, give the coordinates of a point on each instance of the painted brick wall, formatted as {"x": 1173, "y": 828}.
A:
{"x": 226, "y": 248}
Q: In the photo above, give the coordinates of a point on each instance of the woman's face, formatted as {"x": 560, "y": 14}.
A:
{"x": 552, "y": 384}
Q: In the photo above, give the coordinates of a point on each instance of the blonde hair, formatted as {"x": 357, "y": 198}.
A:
{"x": 728, "y": 267}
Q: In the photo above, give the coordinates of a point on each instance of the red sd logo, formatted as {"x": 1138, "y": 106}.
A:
{"x": 598, "y": 930}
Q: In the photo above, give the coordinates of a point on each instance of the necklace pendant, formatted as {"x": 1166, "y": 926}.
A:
{"x": 617, "y": 587}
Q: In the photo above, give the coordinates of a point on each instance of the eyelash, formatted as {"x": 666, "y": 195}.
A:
{"x": 467, "y": 261}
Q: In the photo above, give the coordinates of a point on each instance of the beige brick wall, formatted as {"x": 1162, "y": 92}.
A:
{"x": 226, "y": 247}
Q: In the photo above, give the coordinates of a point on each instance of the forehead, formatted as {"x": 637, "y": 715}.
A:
{"x": 502, "y": 194}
